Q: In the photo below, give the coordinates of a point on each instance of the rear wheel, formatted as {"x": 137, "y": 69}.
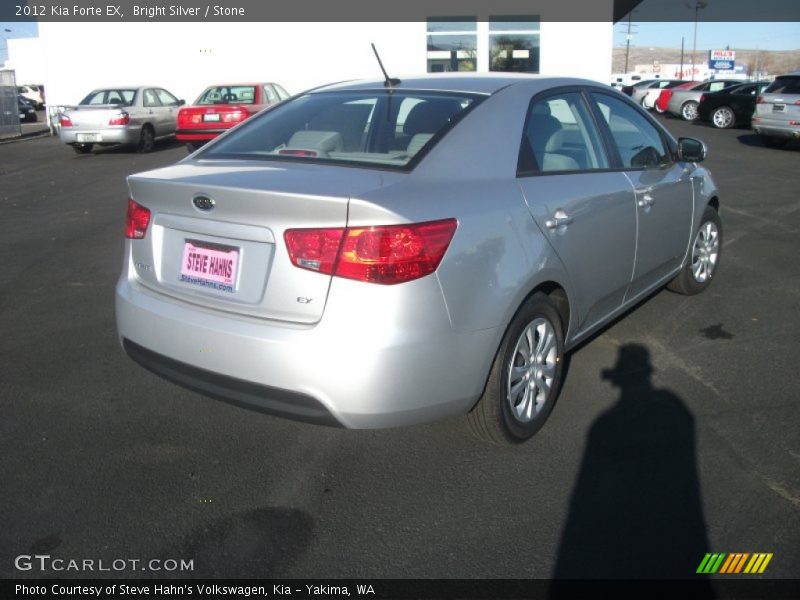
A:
{"x": 723, "y": 118}
{"x": 82, "y": 148}
{"x": 689, "y": 111}
{"x": 526, "y": 375}
{"x": 147, "y": 139}
{"x": 704, "y": 258}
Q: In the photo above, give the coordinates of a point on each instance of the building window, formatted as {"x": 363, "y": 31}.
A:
{"x": 514, "y": 44}
{"x": 452, "y": 44}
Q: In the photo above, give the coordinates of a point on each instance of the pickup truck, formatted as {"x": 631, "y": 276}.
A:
{"x": 122, "y": 115}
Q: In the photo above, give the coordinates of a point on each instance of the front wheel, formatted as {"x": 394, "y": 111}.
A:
{"x": 689, "y": 111}
{"x": 723, "y": 118}
{"x": 703, "y": 261}
{"x": 526, "y": 375}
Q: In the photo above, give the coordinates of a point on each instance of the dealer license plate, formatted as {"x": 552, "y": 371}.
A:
{"x": 778, "y": 107}
{"x": 209, "y": 265}
{"x": 89, "y": 137}
{"x": 212, "y": 117}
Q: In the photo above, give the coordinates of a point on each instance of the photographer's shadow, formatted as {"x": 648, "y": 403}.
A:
{"x": 636, "y": 510}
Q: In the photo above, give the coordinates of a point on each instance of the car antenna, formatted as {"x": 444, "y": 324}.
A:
{"x": 389, "y": 81}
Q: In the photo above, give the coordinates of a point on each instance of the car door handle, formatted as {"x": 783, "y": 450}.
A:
{"x": 560, "y": 218}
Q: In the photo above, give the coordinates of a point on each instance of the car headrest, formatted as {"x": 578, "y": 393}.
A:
{"x": 545, "y": 134}
{"x": 430, "y": 116}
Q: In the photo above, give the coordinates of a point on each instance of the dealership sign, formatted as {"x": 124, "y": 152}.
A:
{"x": 722, "y": 60}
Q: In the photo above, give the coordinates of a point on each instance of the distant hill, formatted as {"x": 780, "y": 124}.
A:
{"x": 773, "y": 61}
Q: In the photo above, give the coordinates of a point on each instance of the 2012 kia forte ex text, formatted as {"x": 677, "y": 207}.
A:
{"x": 375, "y": 254}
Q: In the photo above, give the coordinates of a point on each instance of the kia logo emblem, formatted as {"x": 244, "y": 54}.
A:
{"x": 203, "y": 202}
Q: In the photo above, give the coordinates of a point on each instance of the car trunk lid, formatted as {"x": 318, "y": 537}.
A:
{"x": 216, "y": 232}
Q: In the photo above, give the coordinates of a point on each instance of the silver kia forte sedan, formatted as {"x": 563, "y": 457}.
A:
{"x": 378, "y": 253}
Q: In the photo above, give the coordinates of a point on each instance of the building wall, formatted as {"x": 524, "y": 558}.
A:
{"x": 26, "y": 57}
{"x": 186, "y": 57}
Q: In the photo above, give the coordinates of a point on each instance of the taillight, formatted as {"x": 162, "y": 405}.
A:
{"x": 137, "y": 220}
{"x": 702, "y": 98}
{"x": 121, "y": 118}
{"x": 66, "y": 121}
{"x": 185, "y": 117}
{"x": 386, "y": 254}
{"x": 234, "y": 116}
{"x": 314, "y": 249}
{"x": 760, "y": 100}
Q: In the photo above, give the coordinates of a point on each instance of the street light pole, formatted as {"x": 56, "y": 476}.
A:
{"x": 698, "y": 4}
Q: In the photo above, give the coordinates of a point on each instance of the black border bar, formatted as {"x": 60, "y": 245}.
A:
{"x": 381, "y": 10}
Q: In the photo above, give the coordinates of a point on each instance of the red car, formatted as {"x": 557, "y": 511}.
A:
{"x": 220, "y": 107}
{"x": 663, "y": 99}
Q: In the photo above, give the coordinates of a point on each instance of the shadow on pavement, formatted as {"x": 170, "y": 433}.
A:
{"x": 636, "y": 509}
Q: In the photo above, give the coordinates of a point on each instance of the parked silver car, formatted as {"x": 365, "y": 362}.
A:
{"x": 683, "y": 102}
{"x": 372, "y": 255}
{"x": 777, "y": 116}
{"x": 120, "y": 115}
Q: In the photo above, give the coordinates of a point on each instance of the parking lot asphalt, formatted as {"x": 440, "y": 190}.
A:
{"x": 676, "y": 432}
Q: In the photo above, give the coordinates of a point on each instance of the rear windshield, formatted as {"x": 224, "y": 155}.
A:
{"x": 228, "y": 94}
{"x": 370, "y": 128}
{"x": 784, "y": 85}
{"x": 122, "y": 97}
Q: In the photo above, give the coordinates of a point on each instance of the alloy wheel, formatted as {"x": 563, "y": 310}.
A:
{"x": 705, "y": 252}
{"x": 531, "y": 370}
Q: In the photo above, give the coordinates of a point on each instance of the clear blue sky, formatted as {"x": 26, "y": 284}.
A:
{"x": 712, "y": 35}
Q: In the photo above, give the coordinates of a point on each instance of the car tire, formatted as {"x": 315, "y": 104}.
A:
{"x": 513, "y": 408}
{"x": 770, "y": 141}
{"x": 704, "y": 256}
{"x": 723, "y": 117}
{"x": 82, "y": 148}
{"x": 689, "y": 111}
{"x": 147, "y": 139}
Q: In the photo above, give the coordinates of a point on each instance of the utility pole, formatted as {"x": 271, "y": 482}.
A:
{"x": 680, "y": 75}
{"x": 628, "y": 42}
{"x": 698, "y": 4}
{"x": 629, "y": 31}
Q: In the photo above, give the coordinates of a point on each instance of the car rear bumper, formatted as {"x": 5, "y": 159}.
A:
{"x": 188, "y": 135}
{"x": 111, "y": 135}
{"x": 775, "y": 128}
{"x": 384, "y": 367}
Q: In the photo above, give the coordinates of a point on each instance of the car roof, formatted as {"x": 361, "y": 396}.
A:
{"x": 454, "y": 82}
{"x": 240, "y": 84}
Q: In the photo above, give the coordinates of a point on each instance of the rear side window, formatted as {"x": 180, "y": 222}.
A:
{"x": 387, "y": 128}
{"x": 121, "y": 97}
{"x": 639, "y": 143}
{"x": 228, "y": 94}
{"x": 784, "y": 85}
{"x": 560, "y": 137}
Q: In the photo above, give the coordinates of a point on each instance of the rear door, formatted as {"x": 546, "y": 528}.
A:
{"x": 170, "y": 108}
{"x": 663, "y": 188}
{"x": 584, "y": 207}
{"x": 154, "y": 111}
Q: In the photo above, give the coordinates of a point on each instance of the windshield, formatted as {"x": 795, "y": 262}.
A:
{"x": 386, "y": 128}
{"x": 228, "y": 94}
{"x": 116, "y": 96}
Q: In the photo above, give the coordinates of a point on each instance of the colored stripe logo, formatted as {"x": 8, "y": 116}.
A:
{"x": 734, "y": 563}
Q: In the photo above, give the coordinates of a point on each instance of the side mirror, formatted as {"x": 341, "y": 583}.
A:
{"x": 691, "y": 150}
{"x": 181, "y": 102}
